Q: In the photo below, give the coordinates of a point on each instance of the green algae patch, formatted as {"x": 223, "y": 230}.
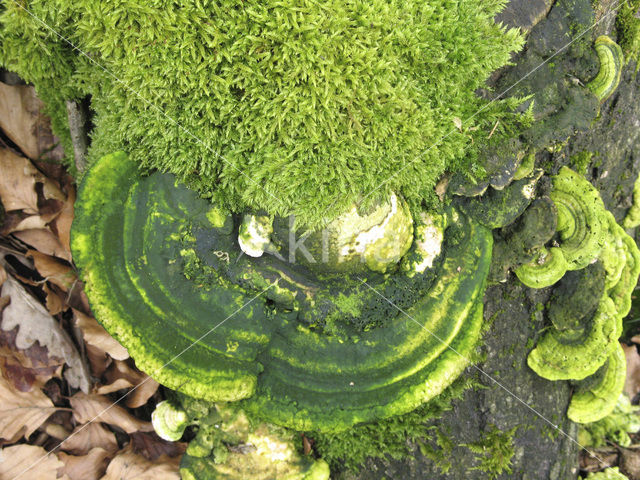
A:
{"x": 628, "y": 26}
{"x": 611, "y": 64}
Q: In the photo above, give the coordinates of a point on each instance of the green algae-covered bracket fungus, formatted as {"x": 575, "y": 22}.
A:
{"x": 547, "y": 267}
{"x": 596, "y": 396}
{"x": 135, "y": 241}
{"x": 169, "y": 421}
{"x": 559, "y": 358}
{"x": 582, "y": 222}
{"x": 499, "y": 208}
{"x": 611, "y": 64}
{"x": 607, "y": 474}
{"x": 229, "y": 445}
{"x": 616, "y": 427}
{"x": 632, "y": 219}
{"x": 587, "y": 306}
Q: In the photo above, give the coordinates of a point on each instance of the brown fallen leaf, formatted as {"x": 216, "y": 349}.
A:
{"x": 90, "y": 408}
{"x": 98, "y": 360}
{"x": 35, "y": 324}
{"x": 55, "y": 300}
{"x": 152, "y": 447}
{"x": 29, "y": 367}
{"x": 44, "y": 241}
{"x": 18, "y": 182}
{"x": 53, "y": 270}
{"x": 632, "y": 382}
{"x": 22, "y": 412}
{"x": 130, "y": 466}
{"x": 121, "y": 375}
{"x": 65, "y": 218}
{"x": 18, "y": 221}
{"x": 29, "y": 462}
{"x": 89, "y": 436}
{"x": 91, "y": 466}
{"x": 23, "y": 121}
{"x": 95, "y": 334}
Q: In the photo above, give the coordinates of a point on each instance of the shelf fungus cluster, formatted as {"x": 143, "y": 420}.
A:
{"x": 211, "y": 305}
{"x": 593, "y": 267}
{"x": 229, "y": 445}
{"x": 368, "y": 319}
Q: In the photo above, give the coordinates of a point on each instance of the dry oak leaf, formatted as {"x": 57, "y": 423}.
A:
{"x": 18, "y": 182}
{"x": 90, "y": 408}
{"x": 26, "y": 367}
{"x": 29, "y": 462}
{"x": 23, "y": 121}
{"x": 22, "y": 412}
{"x": 44, "y": 241}
{"x": 53, "y": 270}
{"x": 36, "y": 325}
{"x": 152, "y": 447}
{"x": 632, "y": 382}
{"x": 65, "y": 218}
{"x": 121, "y": 375}
{"x": 91, "y": 466}
{"x": 95, "y": 334}
{"x": 130, "y": 466}
{"x": 89, "y": 436}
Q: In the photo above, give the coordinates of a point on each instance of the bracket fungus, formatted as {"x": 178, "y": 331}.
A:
{"x": 143, "y": 243}
{"x": 611, "y": 64}
{"x": 229, "y": 445}
{"x": 586, "y": 311}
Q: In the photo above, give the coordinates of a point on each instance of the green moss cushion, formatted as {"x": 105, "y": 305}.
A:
{"x": 213, "y": 339}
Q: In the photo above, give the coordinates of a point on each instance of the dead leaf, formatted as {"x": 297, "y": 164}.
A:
{"x": 632, "y": 382}
{"x": 91, "y": 466}
{"x": 152, "y": 447}
{"x": 458, "y": 123}
{"x": 98, "y": 360}
{"x": 23, "y": 121}
{"x": 18, "y": 182}
{"x": 89, "y": 436}
{"x": 53, "y": 269}
{"x": 35, "y": 324}
{"x": 130, "y": 466}
{"x": 55, "y": 301}
{"x": 121, "y": 375}
{"x": 28, "y": 462}
{"x": 95, "y": 334}
{"x": 89, "y": 408}
{"x": 27, "y": 367}
{"x": 44, "y": 241}
{"x": 18, "y": 221}
{"x": 65, "y": 218}
{"x": 25, "y": 378}
{"x": 22, "y": 412}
